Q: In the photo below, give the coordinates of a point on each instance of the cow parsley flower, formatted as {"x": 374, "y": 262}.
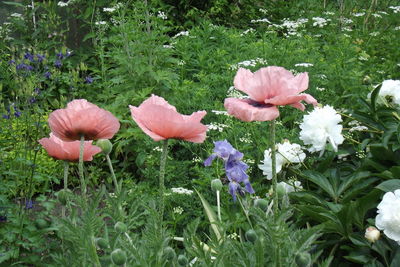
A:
{"x": 321, "y": 126}
{"x": 286, "y": 153}
{"x": 388, "y": 218}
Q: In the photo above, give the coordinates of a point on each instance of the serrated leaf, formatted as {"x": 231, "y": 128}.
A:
{"x": 321, "y": 181}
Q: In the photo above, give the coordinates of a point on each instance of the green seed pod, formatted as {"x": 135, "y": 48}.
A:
{"x": 367, "y": 80}
{"x": 101, "y": 243}
{"x": 105, "y": 146}
{"x": 251, "y": 236}
{"x": 63, "y": 196}
{"x": 169, "y": 253}
{"x": 118, "y": 257}
{"x": 261, "y": 204}
{"x": 41, "y": 223}
{"x": 216, "y": 185}
{"x": 120, "y": 227}
{"x": 182, "y": 260}
{"x": 303, "y": 259}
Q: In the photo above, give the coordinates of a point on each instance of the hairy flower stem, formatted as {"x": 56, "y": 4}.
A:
{"x": 219, "y": 206}
{"x": 66, "y": 167}
{"x": 81, "y": 177}
{"x": 117, "y": 189}
{"x": 273, "y": 156}
{"x": 162, "y": 175}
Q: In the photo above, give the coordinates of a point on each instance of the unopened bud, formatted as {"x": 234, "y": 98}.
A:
{"x": 251, "y": 236}
{"x": 120, "y": 227}
{"x": 169, "y": 253}
{"x": 101, "y": 243}
{"x": 216, "y": 185}
{"x": 372, "y": 234}
{"x": 118, "y": 257}
{"x": 105, "y": 146}
{"x": 182, "y": 260}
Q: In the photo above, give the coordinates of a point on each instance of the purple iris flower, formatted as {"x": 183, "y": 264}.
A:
{"x": 58, "y": 63}
{"x": 235, "y": 168}
{"x": 47, "y": 74}
{"x": 88, "y": 80}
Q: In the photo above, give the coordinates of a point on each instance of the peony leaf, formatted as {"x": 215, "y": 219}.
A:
{"x": 389, "y": 186}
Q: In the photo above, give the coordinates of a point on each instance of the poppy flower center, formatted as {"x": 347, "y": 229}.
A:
{"x": 259, "y": 104}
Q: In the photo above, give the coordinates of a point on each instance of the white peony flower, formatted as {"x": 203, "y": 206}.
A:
{"x": 388, "y": 218}
{"x": 391, "y": 88}
{"x": 321, "y": 126}
{"x": 286, "y": 153}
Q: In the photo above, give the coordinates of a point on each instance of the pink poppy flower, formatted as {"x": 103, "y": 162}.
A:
{"x": 161, "y": 121}
{"x": 267, "y": 88}
{"x": 83, "y": 118}
{"x": 68, "y": 151}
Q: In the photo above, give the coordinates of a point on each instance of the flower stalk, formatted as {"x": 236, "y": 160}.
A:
{"x": 273, "y": 157}
{"x": 66, "y": 167}
{"x": 80, "y": 166}
{"x": 162, "y": 175}
{"x": 117, "y": 189}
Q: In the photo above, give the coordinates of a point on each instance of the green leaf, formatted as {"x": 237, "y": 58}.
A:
{"x": 389, "y": 186}
{"x": 320, "y": 180}
{"x": 374, "y": 96}
{"x": 14, "y": 4}
{"x": 212, "y": 217}
{"x": 354, "y": 178}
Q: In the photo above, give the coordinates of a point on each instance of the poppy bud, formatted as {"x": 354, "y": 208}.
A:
{"x": 372, "y": 234}
{"x": 105, "y": 146}
{"x": 182, "y": 260}
{"x": 251, "y": 236}
{"x": 261, "y": 204}
{"x": 169, "y": 253}
{"x": 118, "y": 257}
{"x": 120, "y": 227}
{"x": 101, "y": 243}
{"x": 216, "y": 185}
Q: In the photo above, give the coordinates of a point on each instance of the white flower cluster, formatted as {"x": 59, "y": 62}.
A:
{"x": 356, "y": 126}
{"x": 292, "y": 186}
{"x": 220, "y": 112}
{"x": 216, "y": 126}
{"x": 306, "y": 65}
{"x": 260, "y": 20}
{"x": 246, "y": 139}
{"x": 16, "y": 15}
{"x": 249, "y": 63}
{"x": 321, "y": 126}
{"x": 329, "y": 13}
{"x": 359, "y": 14}
{"x": 162, "y": 15}
{"x": 388, "y": 218}
{"x": 391, "y": 89}
{"x": 346, "y": 21}
{"x": 396, "y": 9}
{"x": 292, "y": 26}
{"x": 376, "y": 15}
{"x": 109, "y": 9}
{"x": 178, "y": 210}
{"x": 320, "y": 89}
{"x": 286, "y": 153}
{"x": 182, "y": 33}
{"x": 247, "y": 31}
{"x": 168, "y": 46}
{"x": 181, "y": 191}
{"x": 62, "y": 4}
{"x": 100, "y": 23}
{"x": 320, "y": 22}
{"x": 232, "y": 92}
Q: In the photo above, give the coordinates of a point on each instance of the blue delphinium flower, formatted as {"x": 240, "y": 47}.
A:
{"x": 29, "y": 57}
{"x": 40, "y": 57}
{"x": 60, "y": 55}
{"x": 47, "y": 74}
{"x": 6, "y": 116}
{"x": 58, "y": 63}
{"x": 88, "y": 79}
{"x": 235, "y": 168}
{"x": 29, "y": 204}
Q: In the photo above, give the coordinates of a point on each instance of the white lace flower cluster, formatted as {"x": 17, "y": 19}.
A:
{"x": 286, "y": 153}
{"x": 181, "y": 191}
{"x": 391, "y": 89}
{"x": 321, "y": 126}
{"x": 388, "y": 218}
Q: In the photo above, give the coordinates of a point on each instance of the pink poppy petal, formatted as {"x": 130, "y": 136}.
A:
{"x": 80, "y": 104}
{"x": 243, "y": 110}
{"x": 310, "y": 100}
{"x": 282, "y": 100}
{"x": 298, "y": 106}
{"x": 300, "y": 82}
{"x": 156, "y": 100}
{"x": 135, "y": 112}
